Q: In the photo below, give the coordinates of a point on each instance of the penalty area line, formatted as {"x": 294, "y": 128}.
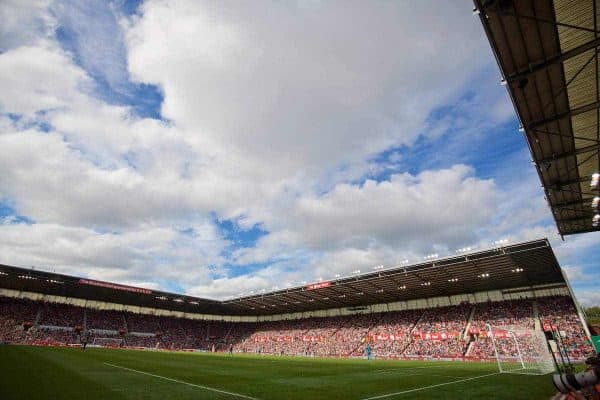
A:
{"x": 182, "y": 382}
{"x": 383, "y": 396}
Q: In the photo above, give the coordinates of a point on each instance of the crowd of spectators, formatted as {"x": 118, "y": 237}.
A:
{"x": 559, "y": 314}
{"x": 390, "y": 336}
{"x": 181, "y": 333}
{"x": 504, "y": 313}
{"x": 435, "y": 332}
{"x": 143, "y": 341}
{"x": 451, "y": 319}
{"x": 444, "y": 348}
{"x": 14, "y": 315}
{"x": 105, "y": 320}
{"x": 61, "y": 315}
{"x": 447, "y": 324}
{"x": 524, "y": 346}
{"x": 142, "y": 323}
{"x": 329, "y": 336}
{"x": 52, "y": 336}
{"x": 512, "y": 314}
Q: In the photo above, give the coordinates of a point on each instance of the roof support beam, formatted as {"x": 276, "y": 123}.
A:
{"x": 576, "y": 137}
{"x": 577, "y": 192}
{"x": 587, "y": 216}
{"x": 568, "y": 204}
{"x": 539, "y": 66}
{"x": 581, "y": 150}
{"x": 576, "y": 111}
{"x": 559, "y": 184}
{"x": 506, "y": 13}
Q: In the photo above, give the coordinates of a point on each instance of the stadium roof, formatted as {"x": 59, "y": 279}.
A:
{"x": 33, "y": 280}
{"x": 547, "y": 51}
{"x": 515, "y": 266}
{"x": 508, "y": 267}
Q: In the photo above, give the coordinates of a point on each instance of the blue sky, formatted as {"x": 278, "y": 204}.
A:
{"x": 218, "y": 149}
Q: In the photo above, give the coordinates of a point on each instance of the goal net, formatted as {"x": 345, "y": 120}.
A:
{"x": 107, "y": 342}
{"x": 520, "y": 350}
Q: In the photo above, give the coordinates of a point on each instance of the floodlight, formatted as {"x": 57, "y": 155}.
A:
{"x": 595, "y": 180}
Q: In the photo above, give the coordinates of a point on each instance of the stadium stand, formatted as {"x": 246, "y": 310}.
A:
{"x": 61, "y": 315}
{"x": 515, "y": 313}
{"x": 105, "y": 320}
{"x": 392, "y": 334}
{"x": 560, "y": 312}
{"x": 440, "y": 317}
{"x": 141, "y": 323}
{"x": 439, "y": 332}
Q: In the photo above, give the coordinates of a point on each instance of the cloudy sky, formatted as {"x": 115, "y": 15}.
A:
{"x": 218, "y": 147}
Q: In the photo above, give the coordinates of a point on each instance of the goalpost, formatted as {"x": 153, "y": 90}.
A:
{"x": 520, "y": 350}
{"x": 107, "y": 342}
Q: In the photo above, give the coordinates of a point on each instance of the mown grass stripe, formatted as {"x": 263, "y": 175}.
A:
{"x": 383, "y": 396}
{"x": 183, "y": 382}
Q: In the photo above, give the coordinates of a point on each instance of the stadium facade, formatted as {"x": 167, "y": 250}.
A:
{"x": 527, "y": 269}
{"x": 439, "y": 308}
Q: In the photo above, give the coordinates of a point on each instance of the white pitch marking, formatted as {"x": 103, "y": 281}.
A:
{"x": 383, "y": 396}
{"x": 182, "y": 382}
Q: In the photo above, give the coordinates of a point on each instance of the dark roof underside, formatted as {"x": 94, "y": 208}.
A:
{"x": 33, "y": 280}
{"x": 547, "y": 51}
{"x": 445, "y": 277}
{"x": 515, "y": 266}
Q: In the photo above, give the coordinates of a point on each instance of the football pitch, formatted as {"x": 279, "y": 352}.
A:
{"x": 70, "y": 373}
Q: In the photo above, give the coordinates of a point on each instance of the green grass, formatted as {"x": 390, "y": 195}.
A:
{"x": 62, "y": 373}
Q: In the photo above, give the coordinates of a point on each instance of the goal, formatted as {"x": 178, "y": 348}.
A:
{"x": 520, "y": 350}
{"x": 107, "y": 342}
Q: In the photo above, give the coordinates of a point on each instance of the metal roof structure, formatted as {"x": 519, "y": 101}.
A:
{"x": 523, "y": 265}
{"x": 515, "y": 266}
{"x": 37, "y": 281}
{"x": 547, "y": 51}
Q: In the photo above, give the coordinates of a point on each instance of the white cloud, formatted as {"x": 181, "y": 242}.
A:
{"x": 273, "y": 116}
{"x": 589, "y": 298}
{"x": 576, "y": 274}
{"x": 285, "y": 87}
{"x": 440, "y": 206}
{"x": 360, "y": 226}
{"x": 151, "y": 252}
{"x": 96, "y": 37}
{"x": 24, "y": 22}
{"x": 38, "y": 78}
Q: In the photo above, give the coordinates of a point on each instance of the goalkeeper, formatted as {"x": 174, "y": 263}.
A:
{"x": 369, "y": 351}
